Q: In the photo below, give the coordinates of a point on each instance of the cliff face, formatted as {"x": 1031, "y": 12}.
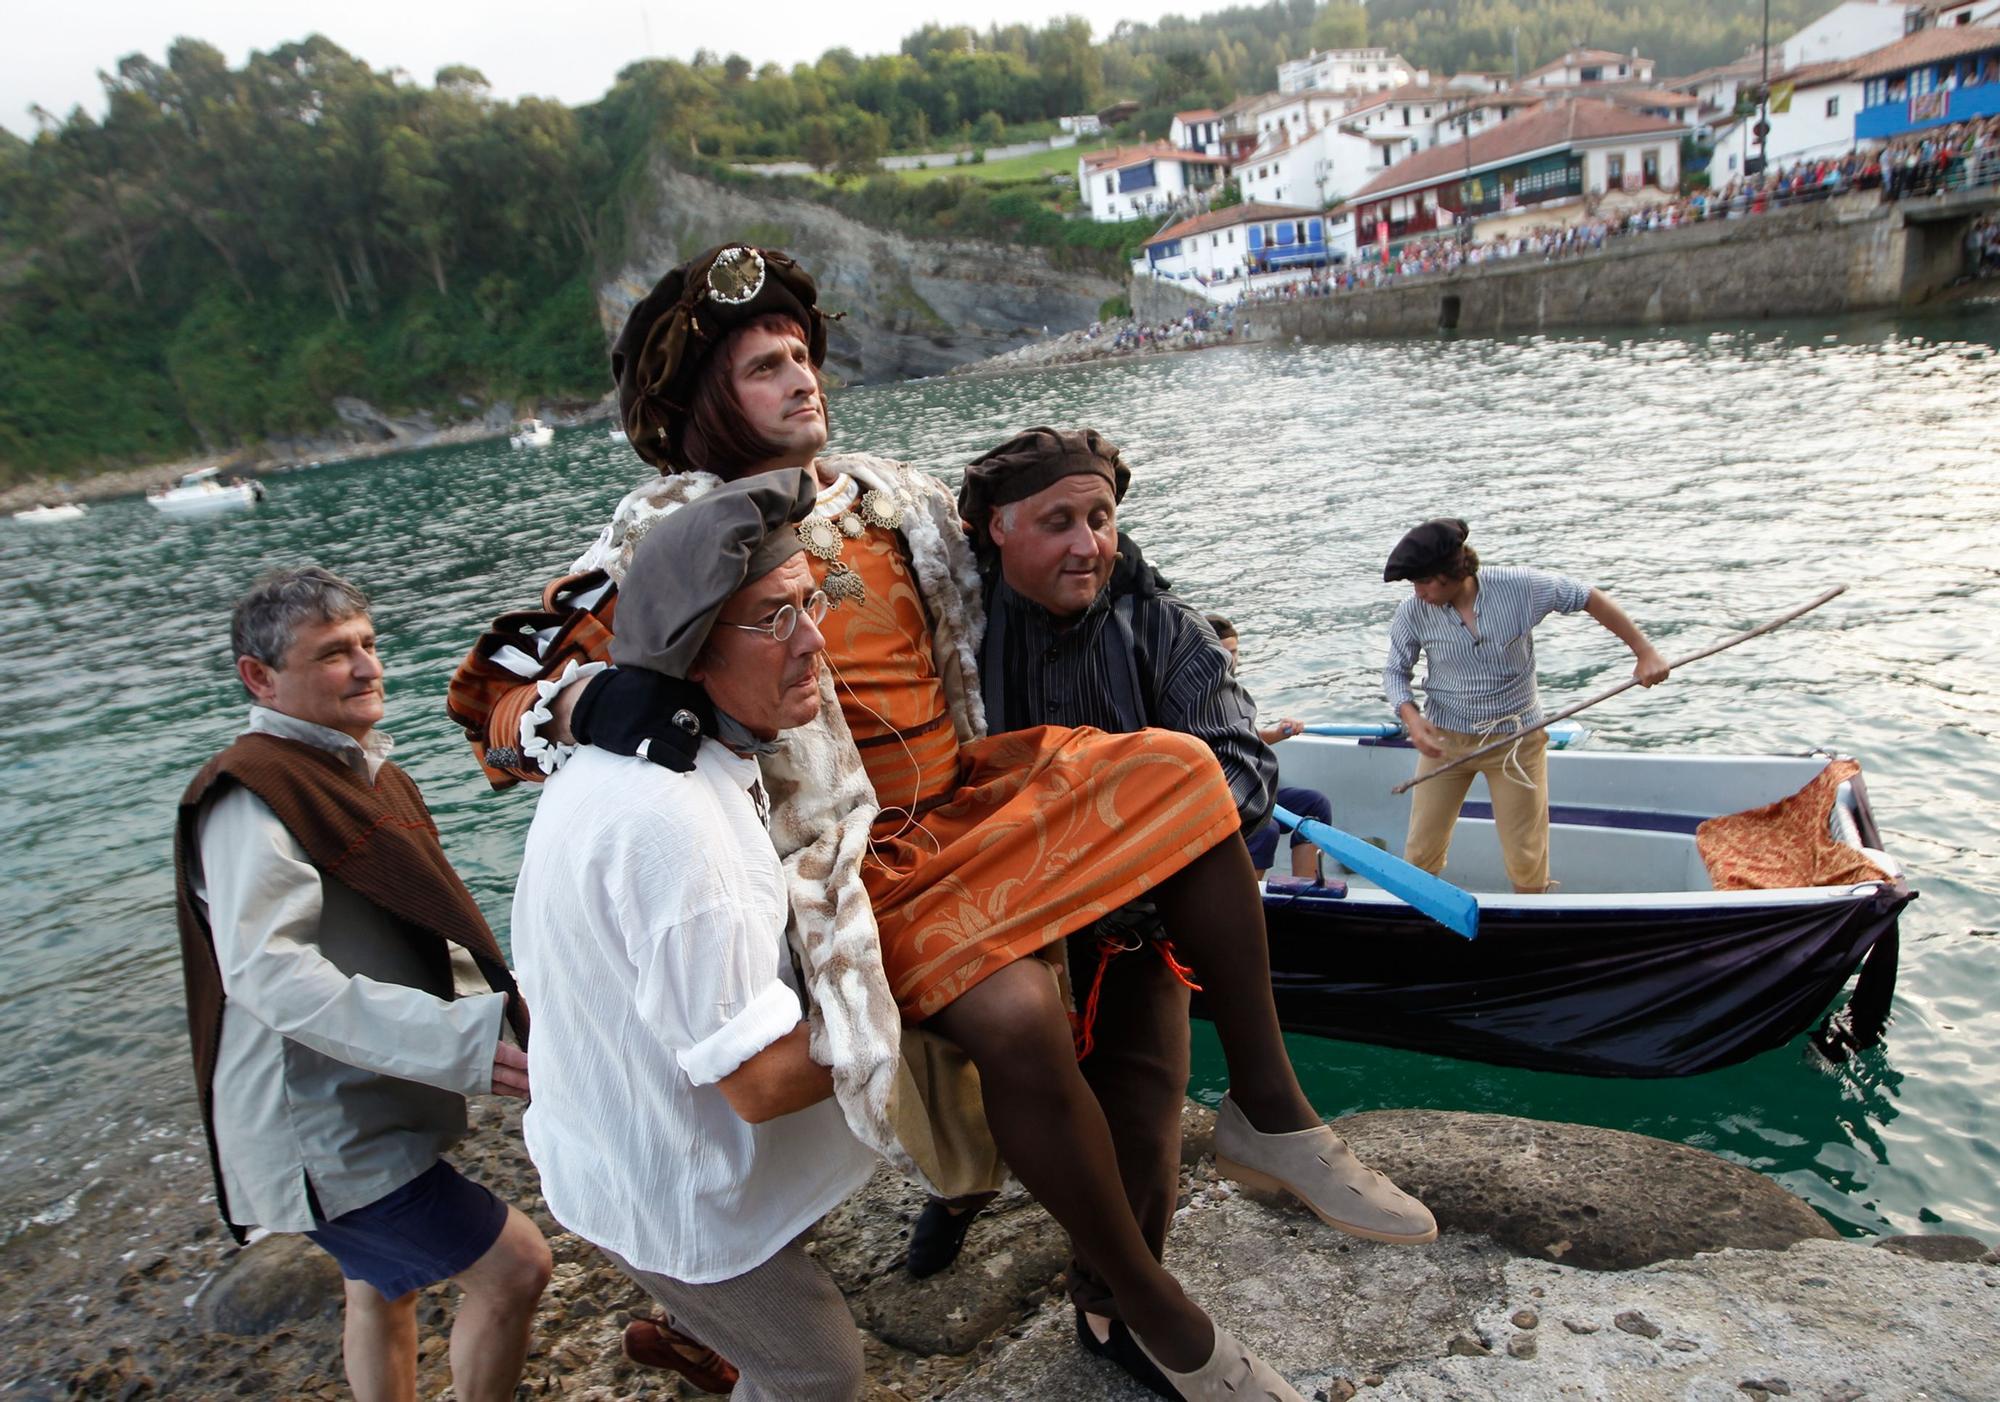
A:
{"x": 914, "y": 307}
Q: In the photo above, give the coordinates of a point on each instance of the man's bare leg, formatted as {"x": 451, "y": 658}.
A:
{"x": 378, "y": 1344}
{"x": 489, "y": 1338}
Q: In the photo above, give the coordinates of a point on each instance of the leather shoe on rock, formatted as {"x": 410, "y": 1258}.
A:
{"x": 1121, "y": 1348}
{"x": 1232, "y": 1374}
{"x": 1316, "y": 1167}
{"x": 652, "y": 1344}
{"x": 939, "y": 1234}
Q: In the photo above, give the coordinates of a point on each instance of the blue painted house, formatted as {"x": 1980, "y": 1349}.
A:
{"x": 1933, "y": 78}
{"x": 1224, "y": 243}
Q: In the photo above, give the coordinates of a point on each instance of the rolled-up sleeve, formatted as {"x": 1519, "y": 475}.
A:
{"x": 1402, "y": 663}
{"x": 265, "y": 904}
{"x": 708, "y": 976}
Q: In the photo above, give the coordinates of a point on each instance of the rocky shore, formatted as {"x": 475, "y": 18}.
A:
{"x": 1116, "y": 339}
{"x": 1574, "y": 1263}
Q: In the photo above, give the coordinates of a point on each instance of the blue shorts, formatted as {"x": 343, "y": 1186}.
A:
{"x": 1307, "y": 803}
{"x": 430, "y": 1229}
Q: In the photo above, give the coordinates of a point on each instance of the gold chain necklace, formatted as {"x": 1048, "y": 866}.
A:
{"x": 826, "y": 538}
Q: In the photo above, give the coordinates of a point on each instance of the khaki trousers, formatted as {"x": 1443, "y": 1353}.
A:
{"x": 1520, "y": 811}
{"x": 783, "y": 1324}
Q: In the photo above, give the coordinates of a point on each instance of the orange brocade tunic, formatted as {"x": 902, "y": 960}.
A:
{"x": 996, "y": 849}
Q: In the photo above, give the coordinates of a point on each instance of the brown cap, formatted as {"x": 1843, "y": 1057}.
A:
{"x": 1031, "y": 462}
{"x": 669, "y": 334}
{"x": 690, "y": 564}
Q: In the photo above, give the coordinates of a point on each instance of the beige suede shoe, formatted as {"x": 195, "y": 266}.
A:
{"x": 1232, "y": 1374}
{"x": 1316, "y": 1167}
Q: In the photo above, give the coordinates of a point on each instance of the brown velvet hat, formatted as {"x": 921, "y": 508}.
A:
{"x": 1031, "y": 462}
{"x": 1426, "y": 550}
{"x": 669, "y": 334}
{"x": 690, "y": 564}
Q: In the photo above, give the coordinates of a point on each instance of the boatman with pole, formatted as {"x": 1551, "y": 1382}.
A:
{"x": 344, "y": 997}
{"x": 1475, "y": 630}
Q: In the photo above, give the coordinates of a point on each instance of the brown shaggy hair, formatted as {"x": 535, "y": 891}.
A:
{"x": 718, "y": 437}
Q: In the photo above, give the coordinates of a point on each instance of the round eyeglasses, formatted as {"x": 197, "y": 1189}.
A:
{"x": 781, "y": 625}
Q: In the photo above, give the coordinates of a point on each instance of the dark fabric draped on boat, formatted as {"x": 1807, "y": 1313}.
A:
{"x": 1610, "y": 992}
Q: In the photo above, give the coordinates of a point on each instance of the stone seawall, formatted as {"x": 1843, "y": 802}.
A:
{"x": 1847, "y": 254}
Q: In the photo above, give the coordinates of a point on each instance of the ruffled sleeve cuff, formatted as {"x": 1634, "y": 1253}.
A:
{"x": 546, "y": 755}
{"x": 769, "y": 1016}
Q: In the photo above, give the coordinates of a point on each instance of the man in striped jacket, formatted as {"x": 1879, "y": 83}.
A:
{"x": 1080, "y": 630}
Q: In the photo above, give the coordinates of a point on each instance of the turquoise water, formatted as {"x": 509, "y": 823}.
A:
{"x": 1707, "y": 479}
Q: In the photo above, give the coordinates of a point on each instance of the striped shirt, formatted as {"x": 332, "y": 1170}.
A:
{"x": 1137, "y": 657}
{"x": 1474, "y": 678}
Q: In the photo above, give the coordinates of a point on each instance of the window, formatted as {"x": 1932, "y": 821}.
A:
{"x": 1110, "y": 184}
{"x": 1614, "y": 169}
{"x": 1232, "y": 236}
{"x": 1299, "y": 232}
{"x": 1649, "y": 165}
{"x": 1833, "y": 107}
{"x": 1215, "y": 240}
{"x": 1922, "y": 80}
{"x": 1875, "y": 92}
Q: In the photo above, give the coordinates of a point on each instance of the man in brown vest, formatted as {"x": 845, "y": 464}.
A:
{"x": 325, "y": 941}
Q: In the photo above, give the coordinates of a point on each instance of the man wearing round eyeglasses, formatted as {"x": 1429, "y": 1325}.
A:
{"x": 679, "y": 1122}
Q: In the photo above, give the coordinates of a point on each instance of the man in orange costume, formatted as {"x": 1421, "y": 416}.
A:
{"x": 932, "y": 871}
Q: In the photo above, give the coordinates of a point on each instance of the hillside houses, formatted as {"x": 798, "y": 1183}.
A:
{"x": 1361, "y": 136}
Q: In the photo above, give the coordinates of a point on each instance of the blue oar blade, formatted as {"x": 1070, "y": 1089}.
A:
{"x": 1456, "y": 910}
{"x": 1563, "y": 735}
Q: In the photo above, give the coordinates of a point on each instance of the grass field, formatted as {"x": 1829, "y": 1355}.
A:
{"x": 1028, "y": 167}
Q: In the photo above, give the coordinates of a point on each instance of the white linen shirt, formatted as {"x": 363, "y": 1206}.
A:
{"x": 345, "y": 1056}
{"x": 649, "y": 929}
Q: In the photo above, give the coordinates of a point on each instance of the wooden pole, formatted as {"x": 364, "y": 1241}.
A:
{"x": 1780, "y": 621}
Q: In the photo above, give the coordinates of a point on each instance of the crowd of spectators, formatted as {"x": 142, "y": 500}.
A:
{"x": 1921, "y": 163}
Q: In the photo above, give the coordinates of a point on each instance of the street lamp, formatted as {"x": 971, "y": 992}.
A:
{"x": 1763, "y": 127}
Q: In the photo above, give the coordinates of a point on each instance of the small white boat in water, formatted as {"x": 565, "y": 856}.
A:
{"x": 50, "y": 515}
{"x": 616, "y": 435}
{"x": 531, "y": 433}
{"x": 200, "y": 494}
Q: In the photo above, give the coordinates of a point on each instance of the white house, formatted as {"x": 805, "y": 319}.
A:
{"x": 1320, "y": 167}
{"x": 1946, "y": 13}
{"x": 1582, "y": 67}
{"x": 1481, "y": 112}
{"x": 1714, "y": 89}
{"x": 1134, "y": 182}
{"x": 1347, "y": 71}
{"x": 1408, "y": 119}
{"x": 1216, "y": 246}
{"x": 1815, "y": 119}
{"x": 1551, "y": 158}
{"x": 1196, "y": 131}
{"x": 1083, "y": 124}
{"x": 1848, "y": 31}
{"x": 1284, "y": 117}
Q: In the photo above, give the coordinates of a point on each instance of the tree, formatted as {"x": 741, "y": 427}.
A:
{"x": 1340, "y": 25}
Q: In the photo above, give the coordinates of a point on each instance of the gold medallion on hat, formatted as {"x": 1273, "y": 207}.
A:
{"x": 736, "y": 276}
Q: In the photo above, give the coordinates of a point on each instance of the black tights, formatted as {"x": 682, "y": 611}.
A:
{"x": 1049, "y": 1127}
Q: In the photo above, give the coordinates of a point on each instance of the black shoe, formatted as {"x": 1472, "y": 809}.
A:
{"x": 938, "y": 1235}
{"x": 1122, "y": 1349}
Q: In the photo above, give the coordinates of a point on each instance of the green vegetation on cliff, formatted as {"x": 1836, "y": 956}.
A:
{"x": 226, "y": 251}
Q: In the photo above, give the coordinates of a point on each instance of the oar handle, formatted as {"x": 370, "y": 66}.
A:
{"x": 1780, "y": 621}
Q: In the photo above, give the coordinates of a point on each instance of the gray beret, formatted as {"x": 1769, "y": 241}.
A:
{"x": 1031, "y": 462}
{"x": 689, "y": 564}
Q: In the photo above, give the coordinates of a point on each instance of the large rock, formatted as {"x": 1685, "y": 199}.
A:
{"x": 279, "y": 1280}
{"x": 1597, "y": 1198}
{"x": 914, "y": 306}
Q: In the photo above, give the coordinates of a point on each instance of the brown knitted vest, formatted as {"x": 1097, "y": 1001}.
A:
{"x": 377, "y": 841}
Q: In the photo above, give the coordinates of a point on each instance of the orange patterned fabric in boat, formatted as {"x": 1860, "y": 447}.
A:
{"x": 1017, "y": 839}
{"x": 1785, "y": 844}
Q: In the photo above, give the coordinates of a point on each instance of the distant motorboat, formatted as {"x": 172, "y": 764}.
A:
{"x": 50, "y": 515}
{"x": 531, "y": 433}
{"x": 200, "y": 494}
{"x": 616, "y": 435}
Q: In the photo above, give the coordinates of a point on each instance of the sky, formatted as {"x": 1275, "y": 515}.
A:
{"x": 567, "y": 51}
